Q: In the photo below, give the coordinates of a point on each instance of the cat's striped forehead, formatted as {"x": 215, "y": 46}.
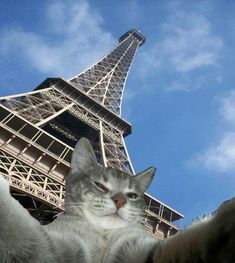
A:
{"x": 113, "y": 178}
{"x": 117, "y": 174}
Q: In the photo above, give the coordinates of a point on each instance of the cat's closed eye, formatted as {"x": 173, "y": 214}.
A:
{"x": 132, "y": 195}
{"x": 101, "y": 187}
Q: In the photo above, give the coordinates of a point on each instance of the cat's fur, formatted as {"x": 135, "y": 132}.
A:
{"x": 102, "y": 223}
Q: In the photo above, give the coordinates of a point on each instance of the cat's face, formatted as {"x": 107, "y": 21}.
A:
{"x": 105, "y": 197}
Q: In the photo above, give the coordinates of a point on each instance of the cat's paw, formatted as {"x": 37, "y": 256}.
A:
{"x": 224, "y": 217}
{"x": 4, "y": 186}
{"x": 227, "y": 207}
{"x": 221, "y": 238}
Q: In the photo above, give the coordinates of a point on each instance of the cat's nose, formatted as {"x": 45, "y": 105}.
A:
{"x": 119, "y": 200}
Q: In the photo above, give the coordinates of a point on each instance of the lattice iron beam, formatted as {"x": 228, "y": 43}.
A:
{"x": 105, "y": 80}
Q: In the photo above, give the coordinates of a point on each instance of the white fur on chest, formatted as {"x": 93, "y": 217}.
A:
{"x": 108, "y": 222}
{"x": 102, "y": 244}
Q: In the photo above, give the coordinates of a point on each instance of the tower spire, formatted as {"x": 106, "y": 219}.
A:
{"x": 105, "y": 81}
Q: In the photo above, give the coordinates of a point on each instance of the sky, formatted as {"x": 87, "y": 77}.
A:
{"x": 180, "y": 93}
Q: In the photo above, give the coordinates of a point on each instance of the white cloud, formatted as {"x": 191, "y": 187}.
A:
{"x": 227, "y": 108}
{"x": 188, "y": 44}
{"x": 186, "y": 83}
{"x": 220, "y": 157}
{"x": 75, "y": 39}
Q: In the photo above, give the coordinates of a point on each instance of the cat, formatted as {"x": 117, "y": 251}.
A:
{"x": 102, "y": 223}
{"x": 210, "y": 240}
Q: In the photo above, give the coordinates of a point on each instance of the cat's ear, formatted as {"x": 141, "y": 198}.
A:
{"x": 145, "y": 178}
{"x": 83, "y": 157}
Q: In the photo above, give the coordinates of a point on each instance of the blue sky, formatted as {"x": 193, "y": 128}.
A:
{"x": 180, "y": 95}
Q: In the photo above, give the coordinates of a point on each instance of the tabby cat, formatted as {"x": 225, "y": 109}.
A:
{"x": 103, "y": 223}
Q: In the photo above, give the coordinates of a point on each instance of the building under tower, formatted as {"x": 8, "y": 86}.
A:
{"x": 39, "y": 129}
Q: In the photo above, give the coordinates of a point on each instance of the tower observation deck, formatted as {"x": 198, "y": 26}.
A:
{"x": 39, "y": 129}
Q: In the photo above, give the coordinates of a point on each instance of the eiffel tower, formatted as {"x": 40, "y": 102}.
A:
{"x": 39, "y": 129}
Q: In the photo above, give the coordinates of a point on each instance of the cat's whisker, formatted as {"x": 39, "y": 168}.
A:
{"x": 98, "y": 205}
{"x": 103, "y": 202}
{"x": 67, "y": 193}
{"x": 140, "y": 221}
{"x": 74, "y": 206}
{"x": 78, "y": 205}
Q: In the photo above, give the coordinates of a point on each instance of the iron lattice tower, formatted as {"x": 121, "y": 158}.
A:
{"x": 39, "y": 129}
